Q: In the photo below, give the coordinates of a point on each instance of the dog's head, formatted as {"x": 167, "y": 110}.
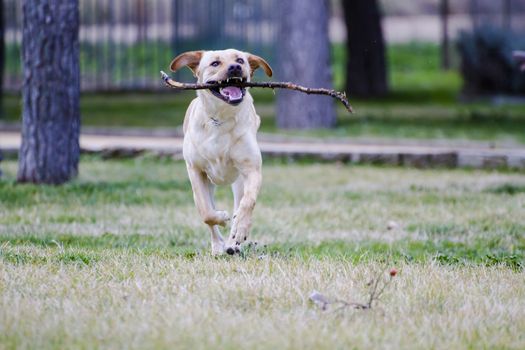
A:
{"x": 222, "y": 66}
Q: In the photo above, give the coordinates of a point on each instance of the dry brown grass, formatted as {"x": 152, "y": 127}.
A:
{"x": 138, "y": 301}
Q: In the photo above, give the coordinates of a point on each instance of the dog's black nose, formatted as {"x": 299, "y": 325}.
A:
{"x": 235, "y": 70}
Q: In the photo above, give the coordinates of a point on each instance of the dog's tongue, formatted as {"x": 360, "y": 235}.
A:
{"x": 232, "y": 93}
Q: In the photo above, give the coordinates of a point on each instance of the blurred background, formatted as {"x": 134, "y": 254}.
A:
{"x": 445, "y": 71}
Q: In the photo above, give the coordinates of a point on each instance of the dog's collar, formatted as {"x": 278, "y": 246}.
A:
{"x": 215, "y": 121}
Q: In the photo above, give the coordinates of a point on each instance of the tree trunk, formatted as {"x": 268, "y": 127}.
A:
{"x": 445, "y": 43}
{"x": 2, "y": 57}
{"x": 51, "y": 116}
{"x": 474, "y": 13}
{"x": 507, "y": 14}
{"x": 304, "y": 58}
{"x": 366, "y": 66}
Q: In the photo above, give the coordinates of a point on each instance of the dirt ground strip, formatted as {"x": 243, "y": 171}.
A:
{"x": 424, "y": 155}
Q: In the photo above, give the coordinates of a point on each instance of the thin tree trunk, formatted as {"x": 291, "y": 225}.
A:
{"x": 445, "y": 43}
{"x": 474, "y": 13}
{"x": 304, "y": 58}
{"x": 366, "y": 65}
{"x": 51, "y": 117}
{"x": 2, "y": 57}
{"x": 507, "y": 14}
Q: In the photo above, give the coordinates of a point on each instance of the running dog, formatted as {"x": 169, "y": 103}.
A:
{"x": 220, "y": 145}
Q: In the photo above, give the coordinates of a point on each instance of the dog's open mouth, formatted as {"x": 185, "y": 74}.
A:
{"x": 230, "y": 94}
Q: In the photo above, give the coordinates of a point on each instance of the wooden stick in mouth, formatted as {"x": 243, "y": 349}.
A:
{"x": 341, "y": 96}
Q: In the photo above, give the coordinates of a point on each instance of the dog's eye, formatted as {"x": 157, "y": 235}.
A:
{"x": 215, "y": 63}
{"x": 240, "y": 61}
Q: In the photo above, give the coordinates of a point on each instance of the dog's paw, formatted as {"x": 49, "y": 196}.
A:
{"x": 235, "y": 249}
{"x": 218, "y": 217}
{"x": 237, "y": 237}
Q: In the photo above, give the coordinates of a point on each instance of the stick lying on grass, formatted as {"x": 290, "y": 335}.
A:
{"x": 377, "y": 287}
{"x": 341, "y": 96}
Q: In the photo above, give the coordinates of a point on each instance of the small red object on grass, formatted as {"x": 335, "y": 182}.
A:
{"x": 393, "y": 272}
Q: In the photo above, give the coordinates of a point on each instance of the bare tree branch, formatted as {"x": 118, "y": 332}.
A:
{"x": 341, "y": 96}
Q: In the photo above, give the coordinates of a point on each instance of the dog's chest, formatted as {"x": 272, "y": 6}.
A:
{"x": 215, "y": 153}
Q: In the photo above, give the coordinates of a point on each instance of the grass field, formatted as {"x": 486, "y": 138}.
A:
{"x": 119, "y": 259}
{"x": 423, "y": 104}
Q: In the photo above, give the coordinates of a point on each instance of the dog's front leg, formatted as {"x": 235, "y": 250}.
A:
{"x": 203, "y": 197}
{"x": 242, "y": 219}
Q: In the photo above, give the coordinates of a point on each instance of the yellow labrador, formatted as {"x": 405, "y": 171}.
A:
{"x": 220, "y": 145}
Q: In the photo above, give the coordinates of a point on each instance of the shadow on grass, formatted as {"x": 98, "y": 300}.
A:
{"x": 507, "y": 189}
{"x": 89, "y": 193}
{"x": 71, "y": 257}
{"x": 480, "y": 252}
{"x": 445, "y": 252}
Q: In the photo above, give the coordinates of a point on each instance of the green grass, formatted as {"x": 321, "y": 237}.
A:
{"x": 108, "y": 191}
{"x": 118, "y": 258}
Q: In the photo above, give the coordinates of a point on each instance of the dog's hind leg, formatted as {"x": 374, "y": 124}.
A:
{"x": 217, "y": 242}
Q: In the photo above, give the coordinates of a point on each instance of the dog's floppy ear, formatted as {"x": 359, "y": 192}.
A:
{"x": 256, "y": 62}
{"x": 190, "y": 59}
